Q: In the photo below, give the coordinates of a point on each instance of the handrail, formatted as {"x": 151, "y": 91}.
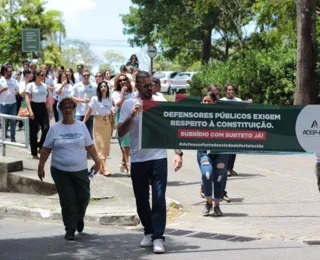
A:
{"x": 26, "y": 132}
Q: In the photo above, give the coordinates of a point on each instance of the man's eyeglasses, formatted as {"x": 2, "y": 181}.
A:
{"x": 149, "y": 85}
{"x": 86, "y": 75}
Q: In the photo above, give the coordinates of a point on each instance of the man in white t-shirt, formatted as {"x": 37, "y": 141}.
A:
{"x": 8, "y": 104}
{"x": 147, "y": 166}
{"x": 82, "y": 94}
{"x": 78, "y": 77}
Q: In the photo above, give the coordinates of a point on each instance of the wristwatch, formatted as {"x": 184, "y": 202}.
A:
{"x": 180, "y": 153}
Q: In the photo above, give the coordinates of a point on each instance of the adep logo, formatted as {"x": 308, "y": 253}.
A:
{"x": 314, "y": 124}
{"x": 312, "y": 132}
{"x": 307, "y": 128}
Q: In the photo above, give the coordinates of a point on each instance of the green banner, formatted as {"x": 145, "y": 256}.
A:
{"x": 227, "y": 128}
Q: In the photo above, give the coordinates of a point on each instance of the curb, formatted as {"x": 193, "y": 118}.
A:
{"x": 173, "y": 203}
{"x": 119, "y": 219}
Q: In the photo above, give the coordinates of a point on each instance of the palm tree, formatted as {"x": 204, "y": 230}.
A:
{"x": 306, "y": 89}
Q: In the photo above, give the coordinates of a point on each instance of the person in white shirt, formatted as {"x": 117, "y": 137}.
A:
{"x": 148, "y": 166}
{"x": 229, "y": 91}
{"x": 63, "y": 89}
{"x": 78, "y": 75}
{"x": 54, "y": 94}
{"x": 39, "y": 109}
{"x": 82, "y": 94}
{"x": 107, "y": 77}
{"x": 70, "y": 76}
{"x": 101, "y": 106}
{"x": 52, "y": 72}
{"x": 8, "y": 105}
{"x": 68, "y": 140}
{"x": 122, "y": 91}
{"x": 22, "y": 91}
{"x": 157, "y": 89}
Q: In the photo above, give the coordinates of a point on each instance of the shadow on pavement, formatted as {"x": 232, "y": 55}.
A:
{"x": 182, "y": 183}
{"x": 87, "y": 246}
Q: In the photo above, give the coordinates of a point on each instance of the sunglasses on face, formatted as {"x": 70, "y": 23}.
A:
{"x": 122, "y": 80}
{"x": 86, "y": 75}
{"x": 99, "y": 76}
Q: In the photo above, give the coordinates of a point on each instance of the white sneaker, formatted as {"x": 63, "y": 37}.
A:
{"x": 146, "y": 241}
{"x": 158, "y": 247}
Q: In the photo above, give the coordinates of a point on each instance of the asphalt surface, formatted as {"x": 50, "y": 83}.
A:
{"x": 25, "y": 239}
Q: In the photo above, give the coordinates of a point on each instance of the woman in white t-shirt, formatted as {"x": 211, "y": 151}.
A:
{"x": 69, "y": 140}
{"x": 38, "y": 107}
{"x": 101, "y": 107}
{"x": 63, "y": 89}
{"x": 122, "y": 91}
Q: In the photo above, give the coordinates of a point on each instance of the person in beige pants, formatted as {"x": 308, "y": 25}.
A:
{"x": 101, "y": 106}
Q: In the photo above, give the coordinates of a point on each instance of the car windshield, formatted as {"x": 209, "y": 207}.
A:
{"x": 159, "y": 75}
{"x": 182, "y": 76}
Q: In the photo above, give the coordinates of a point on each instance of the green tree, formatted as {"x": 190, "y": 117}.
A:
{"x": 112, "y": 59}
{"x": 105, "y": 66}
{"x": 184, "y": 28}
{"x": 78, "y": 51}
{"x": 19, "y": 14}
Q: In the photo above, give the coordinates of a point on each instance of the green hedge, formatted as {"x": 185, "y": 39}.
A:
{"x": 266, "y": 76}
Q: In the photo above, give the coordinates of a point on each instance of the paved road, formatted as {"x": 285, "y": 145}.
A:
{"x": 26, "y": 240}
{"x": 273, "y": 196}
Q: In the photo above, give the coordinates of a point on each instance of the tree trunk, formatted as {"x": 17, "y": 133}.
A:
{"x": 306, "y": 88}
{"x": 206, "y": 47}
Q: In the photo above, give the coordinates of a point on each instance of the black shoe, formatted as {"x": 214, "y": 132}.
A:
{"x": 80, "y": 226}
{"x": 69, "y": 235}
{"x": 207, "y": 209}
{"x": 234, "y": 173}
{"x": 7, "y": 136}
{"x": 13, "y": 140}
{"x": 217, "y": 211}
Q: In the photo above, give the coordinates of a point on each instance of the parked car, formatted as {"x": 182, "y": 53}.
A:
{"x": 180, "y": 82}
{"x": 165, "y": 79}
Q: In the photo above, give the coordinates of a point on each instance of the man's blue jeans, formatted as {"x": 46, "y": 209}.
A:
{"x": 10, "y": 109}
{"x": 89, "y": 123}
{"x": 156, "y": 171}
{"x": 212, "y": 167}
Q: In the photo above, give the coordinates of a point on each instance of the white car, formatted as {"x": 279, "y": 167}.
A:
{"x": 180, "y": 82}
{"x": 165, "y": 79}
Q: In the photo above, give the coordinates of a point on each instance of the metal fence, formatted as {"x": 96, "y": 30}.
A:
{"x": 26, "y": 132}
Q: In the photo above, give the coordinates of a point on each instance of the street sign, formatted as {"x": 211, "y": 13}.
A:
{"x": 152, "y": 51}
{"x": 31, "y": 40}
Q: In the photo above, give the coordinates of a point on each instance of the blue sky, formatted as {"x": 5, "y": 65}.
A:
{"x": 99, "y": 23}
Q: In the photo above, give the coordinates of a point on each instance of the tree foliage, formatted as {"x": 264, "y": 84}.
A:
{"x": 19, "y": 14}
{"x": 78, "y": 51}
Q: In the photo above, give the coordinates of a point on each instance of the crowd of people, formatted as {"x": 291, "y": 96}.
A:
{"x": 86, "y": 110}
